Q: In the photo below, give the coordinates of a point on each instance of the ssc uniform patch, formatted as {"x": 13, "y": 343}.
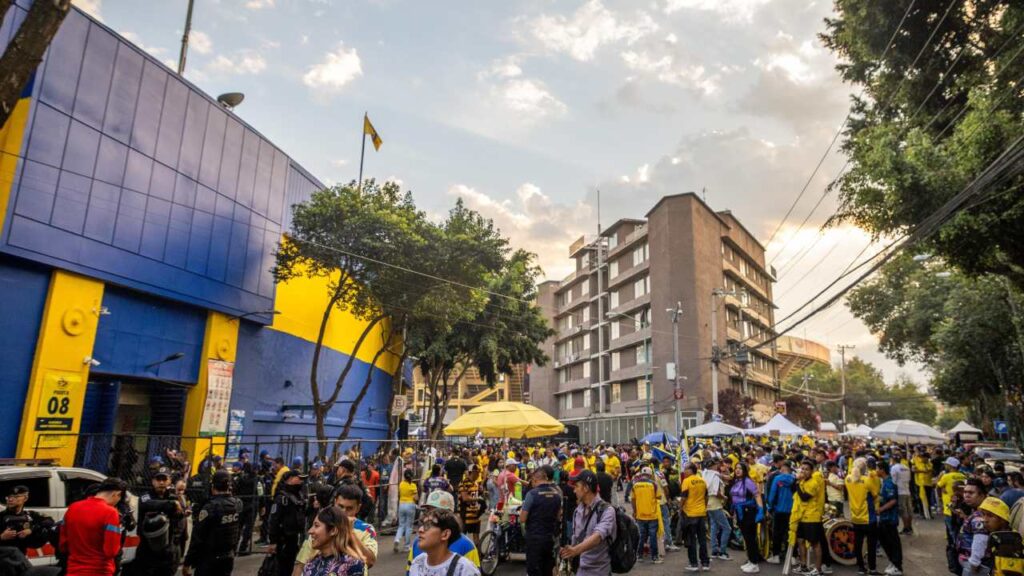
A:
{"x": 203, "y": 515}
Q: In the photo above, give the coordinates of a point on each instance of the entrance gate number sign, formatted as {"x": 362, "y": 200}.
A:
{"x": 56, "y": 413}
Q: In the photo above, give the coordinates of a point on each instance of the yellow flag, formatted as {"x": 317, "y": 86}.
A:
{"x": 372, "y": 132}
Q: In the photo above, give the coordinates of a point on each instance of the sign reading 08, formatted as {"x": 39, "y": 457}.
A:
{"x": 56, "y": 413}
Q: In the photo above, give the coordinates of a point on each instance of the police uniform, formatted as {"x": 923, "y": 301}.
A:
{"x": 39, "y": 524}
{"x": 215, "y": 537}
{"x": 150, "y": 560}
{"x": 543, "y": 505}
{"x": 286, "y": 526}
{"x": 245, "y": 489}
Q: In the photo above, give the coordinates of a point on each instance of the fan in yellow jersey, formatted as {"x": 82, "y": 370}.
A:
{"x": 862, "y": 492}
{"x": 810, "y": 491}
{"x": 694, "y": 492}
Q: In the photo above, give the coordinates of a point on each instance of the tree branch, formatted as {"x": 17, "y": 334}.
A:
{"x": 351, "y": 361}
{"x": 26, "y": 50}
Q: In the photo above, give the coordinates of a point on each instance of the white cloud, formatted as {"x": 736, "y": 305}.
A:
{"x": 337, "y": 69}
{"x": 90, "y": 7}
{"x": 240, "y": 63}
{"x": 666, "y": 69}
{"x": 503, "y": 68}
{"x": 200, "y": 42}
{"x": 737, "y": 11}
{"x": 340, "y": 162}
{"x": 588, "y": 29}
{"x": 533, "y": 221}
{"x": 259, "y": 4}
{"x": 529, "y": 98}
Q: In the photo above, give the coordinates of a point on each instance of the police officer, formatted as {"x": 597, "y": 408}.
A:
{"x": 287, "y": 522}
{"x": 20, "y": 528}
{"x": 541, "y": 515}
{"x": 244, "y": 488}
{"x": 314, "y": 482}
{"x": 216, "y": 530}
{"x": 160, "y": 514}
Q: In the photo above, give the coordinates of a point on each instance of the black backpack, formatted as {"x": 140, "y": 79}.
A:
{"x": 623, "y": 548}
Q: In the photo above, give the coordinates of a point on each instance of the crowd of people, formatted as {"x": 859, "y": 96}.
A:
{"x": 566, "y": 501}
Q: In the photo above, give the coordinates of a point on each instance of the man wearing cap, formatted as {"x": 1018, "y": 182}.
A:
{"x": 215, "y": 533}
{"x": 160, "y": 513}
{"x": 462, "y": 546}
{"x": 287, "y": 521}
{"x": 507, "y": 481}
{"x": 541, "y": 515}
{"x": 944, "y": 487}
{"x": 90, "y": 537}
{"x": 645, "y": 511}
{"x": 972, "y": 548}
{"x": 244, "y": 488}
{"x": 593, "y": 528}
{"x": 20, "y": 528}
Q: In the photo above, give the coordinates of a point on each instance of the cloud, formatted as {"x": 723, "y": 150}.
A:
{"x": 90, "y": 7}
{"x": 151, "y": 50}
{"x": 340, "y": 162}
{"x": 529, "y": 98}
{"x": 245, "y": 62}
{"x": 589, "y": 28}
{"x": 732, "y": 11}
{"x": 665, "y": 69}
{"x": 533, "y": 221}
{"x": 337, "y": 69}
{"x": 259, "y": 4}
{"x": 200, "y": 42}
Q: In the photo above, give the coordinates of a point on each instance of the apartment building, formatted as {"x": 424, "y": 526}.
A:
{"x": 470, "y": 392}
{"x": 614, "y": 349}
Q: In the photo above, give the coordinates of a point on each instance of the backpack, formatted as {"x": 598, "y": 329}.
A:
{"x": 623, "y": 548}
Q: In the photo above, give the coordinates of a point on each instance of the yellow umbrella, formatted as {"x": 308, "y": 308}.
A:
{"x": 505, "y": 420}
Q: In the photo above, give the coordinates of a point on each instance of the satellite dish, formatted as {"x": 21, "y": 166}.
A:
{"x": 230, "y": 99}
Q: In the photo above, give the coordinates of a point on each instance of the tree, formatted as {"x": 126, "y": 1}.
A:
{"x": 497, "y": 329}
{"x": 733, "y": 407}
{"x": 26, "y": 49}
{"x": 800, "y": 412}
{"x": 366, "y": 245}
{"x": 951, "y": 417}
{"x": 926, "y": 126}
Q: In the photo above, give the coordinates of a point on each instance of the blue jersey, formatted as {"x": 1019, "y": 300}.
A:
{"x": 780, "y": 493}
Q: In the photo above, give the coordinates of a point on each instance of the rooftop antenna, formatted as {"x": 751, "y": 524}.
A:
{"x": 704, "y": 193}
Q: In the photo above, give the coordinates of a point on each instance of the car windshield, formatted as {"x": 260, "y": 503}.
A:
{"x": 1002, "y": 454}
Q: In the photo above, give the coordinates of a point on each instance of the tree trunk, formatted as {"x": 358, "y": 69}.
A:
{"x": 319, "y": 409}
{"x": 340, "y": 382}
{"x": 396, "y": 387}
{"x": 443, "y": 407}
{"x": 26, "y": 50}
{"x": 354, "y": 407}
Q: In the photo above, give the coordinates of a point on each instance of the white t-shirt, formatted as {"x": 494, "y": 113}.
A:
{"x": 420, "y": 567}
{"x": 901, "y": 476}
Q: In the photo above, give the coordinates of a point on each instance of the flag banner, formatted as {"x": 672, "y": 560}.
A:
{"x": 370, "y": 131}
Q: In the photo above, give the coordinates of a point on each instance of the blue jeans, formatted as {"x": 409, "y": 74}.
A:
{"x": 720, "y": 531}
{"x": 406, "y": 518}
{"x": 666, "y": 519}
{"x": 649, "y": 534}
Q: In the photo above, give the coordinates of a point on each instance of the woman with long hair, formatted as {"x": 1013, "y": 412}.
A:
{"x": 862, "y": 490}
{"x": 748, "y": 508}
{"x": 338, "y": 551}
{"x": 408, "y": 495}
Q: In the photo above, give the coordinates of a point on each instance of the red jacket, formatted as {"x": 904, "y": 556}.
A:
{"x": 91, "y": 538}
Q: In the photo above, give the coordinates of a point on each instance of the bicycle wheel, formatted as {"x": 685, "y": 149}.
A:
{"x": 488, "y": 553}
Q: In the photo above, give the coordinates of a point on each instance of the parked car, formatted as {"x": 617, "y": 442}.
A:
{"x": 51, "y": 490}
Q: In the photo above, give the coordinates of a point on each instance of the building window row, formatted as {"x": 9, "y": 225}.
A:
{"x": 748, "y": 270}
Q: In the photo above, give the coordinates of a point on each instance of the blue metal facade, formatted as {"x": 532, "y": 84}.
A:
{"x": 133, "y": 176}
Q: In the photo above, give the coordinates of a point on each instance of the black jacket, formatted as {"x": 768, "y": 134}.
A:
{"x": 287, "y": 516}
{"x": 216, "y": 531}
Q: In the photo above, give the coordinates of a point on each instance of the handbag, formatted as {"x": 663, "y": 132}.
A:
{"x": 269, "y": 566}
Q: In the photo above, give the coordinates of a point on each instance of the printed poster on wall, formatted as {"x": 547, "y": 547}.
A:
{"x": 218, "y": 398}
{"x": 236, "y": 427}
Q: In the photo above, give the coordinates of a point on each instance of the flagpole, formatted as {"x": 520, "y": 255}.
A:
{"x": 362, "y": 153}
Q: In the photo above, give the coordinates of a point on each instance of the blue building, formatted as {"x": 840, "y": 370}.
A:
{"x": 138, "y": 224}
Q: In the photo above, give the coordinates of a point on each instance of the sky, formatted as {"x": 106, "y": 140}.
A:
{"x": 526, "y": 108}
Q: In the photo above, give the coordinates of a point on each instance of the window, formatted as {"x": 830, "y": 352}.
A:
{"x": 641, "y": 389}
{"x": 616, "y": 393}
{"x": 613, "y": 299}
{"x": 639, "y": 255}
{"x": 586, "y": 342}
{"x": 586, "y": 398}
{"x": 586, "y": 314}
{"x": 613, "y": 241}
{"x": 586, "y": 369}
{"x": 613, "y": 269}
{"x": 643, "y": 318}
{"x": 614, "y": 329}
{"x": 563, "y": 375}
{"x": 585, "y": 287}
{"x": 38, "y": 489}
{"x": 568, "y": 296}
{"x": 641, "y": 286}
{"x": 75, "y": 488}
{"x": 643, "y": 353}
{"x": 615, "y": 361}
{"x": 569, "y": 321}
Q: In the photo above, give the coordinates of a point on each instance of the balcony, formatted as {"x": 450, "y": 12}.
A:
{"x": 570, "y": 359}
{"x": 640, "y": 371}
{"x": 577, "y": 330}
{"x": 632, "y": 305}
{"x": 573, "y": 385}
{"x": 631, "y": 339}
{"x": 748, "y": 313}
{"x": 732, "y": 269}
{"x": 630, "y": 239}
{"x": 629, "y": 274}
{"x": 582, "y": 272}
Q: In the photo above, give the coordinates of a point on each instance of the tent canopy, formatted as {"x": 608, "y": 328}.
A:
{"x": 778, "y": 423}
{"x": 908, "y": 431}
{"x": 712, "y": 429}
{"x": 861, "y": 431}
{"x": 505, "y": 420}
{"x": 827, "y": 427}
{"x": 963, "y": 427}
{"x": 660, "y": 438}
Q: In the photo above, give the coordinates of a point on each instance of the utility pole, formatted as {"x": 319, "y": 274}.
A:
{"x": 184, "y": 39}
{"x": 842, "y": 348}
{"x": 600, "y": 312}
{"x": 716, "y": 354}
{"x": 676, "y": 313}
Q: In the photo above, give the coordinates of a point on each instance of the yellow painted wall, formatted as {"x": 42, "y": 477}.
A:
{"x": 301, "y": 302}
{"x": 60, "y": 371}
{"x": 11, "y": 136}
{"x": 219, "y": 343}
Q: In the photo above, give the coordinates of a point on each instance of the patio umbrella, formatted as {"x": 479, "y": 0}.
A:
{"x": 861, "y": 431}
{"x": 505, "y": 420}
{"x": 908, "y": 431}
{"x": 712, "y": 429}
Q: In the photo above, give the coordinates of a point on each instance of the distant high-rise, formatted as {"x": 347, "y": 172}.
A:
{"x": 613, "y": 346}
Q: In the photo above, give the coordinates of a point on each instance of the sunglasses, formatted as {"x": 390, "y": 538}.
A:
{"x": 427, "y": 524}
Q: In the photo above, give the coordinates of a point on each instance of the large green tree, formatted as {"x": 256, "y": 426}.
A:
{"x": 940, "y": 105}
